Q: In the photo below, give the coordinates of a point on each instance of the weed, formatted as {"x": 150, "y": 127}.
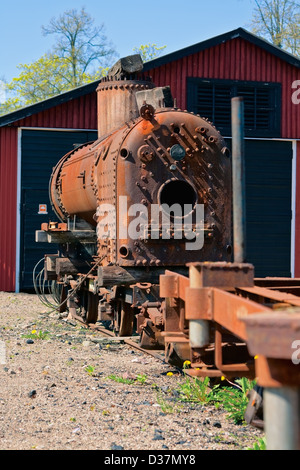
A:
{"x": 90, "y": 370}
{"x": 117, "y": 378}
{"x": 234, "y": 399}
{"x": 140, "y": 378}
{"x": 260, "y": 444}
{"x": 37, "y": 335}
{"x": 164, "y": 405}
{"x": 195, "y": 390}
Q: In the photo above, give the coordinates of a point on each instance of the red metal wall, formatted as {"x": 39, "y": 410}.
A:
{"x": 237, "y": 59}
{"x": 8, "y": 204}
{"x": 80, "y": 113}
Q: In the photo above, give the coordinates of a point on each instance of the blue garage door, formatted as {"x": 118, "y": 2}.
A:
{"x": 268, "y": 167}
{"x": 41, "y": 150}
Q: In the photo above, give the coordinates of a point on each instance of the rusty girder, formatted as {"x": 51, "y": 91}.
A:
{"x": 238, "y": 327}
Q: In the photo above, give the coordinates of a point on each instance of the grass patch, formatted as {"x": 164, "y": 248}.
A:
{"x": 139, "y": 379}
{"x": 233, "y": 398}
{"x": 37, "y": 335}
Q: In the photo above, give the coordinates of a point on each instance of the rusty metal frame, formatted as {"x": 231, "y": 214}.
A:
{"x": 267, "y": 332}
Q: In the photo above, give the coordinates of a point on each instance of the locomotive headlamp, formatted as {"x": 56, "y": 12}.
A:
{"x": 177, "y": 152}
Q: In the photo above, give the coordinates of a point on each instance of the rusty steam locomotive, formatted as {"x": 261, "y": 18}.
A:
{"x": 151, "y": 239}
{"x": 153, "y": 193}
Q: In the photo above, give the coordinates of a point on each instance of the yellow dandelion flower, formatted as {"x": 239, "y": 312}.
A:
{"x": 186, "y": 363}
{"x": 223, "y": 378}
{"x": 33, "y": 332}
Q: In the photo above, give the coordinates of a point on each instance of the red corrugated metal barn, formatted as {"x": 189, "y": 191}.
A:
{"x": 203, "y": 79}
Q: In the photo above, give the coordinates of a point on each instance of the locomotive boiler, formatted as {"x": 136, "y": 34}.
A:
{"x": 151, "y": 194}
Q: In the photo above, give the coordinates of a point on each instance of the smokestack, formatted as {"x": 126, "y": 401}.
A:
{"x": 116, "y": 94}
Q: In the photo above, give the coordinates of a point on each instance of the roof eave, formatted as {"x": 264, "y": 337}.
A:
{"x": 44, "y": 105}
{"x": 222, "y": 38}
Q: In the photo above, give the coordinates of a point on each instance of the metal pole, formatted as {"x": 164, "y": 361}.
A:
{"x": 198, "y": 329}
{"x": 238, "y": 180}
{"x": 281, "y": 417}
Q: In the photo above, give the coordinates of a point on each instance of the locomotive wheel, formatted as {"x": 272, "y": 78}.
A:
{"x": 62, "y": 301}
{"x": 92, "y": 308}
{"x": 125, "y": 319}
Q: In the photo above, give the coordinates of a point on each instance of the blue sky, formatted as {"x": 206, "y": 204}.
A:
{"x": 128, "y": 24}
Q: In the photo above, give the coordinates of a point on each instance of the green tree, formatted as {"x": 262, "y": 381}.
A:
{"x": 149, "y": 51}
{"x": 279, "y": 22}
{"x": 81, "y": 54}
{"x": 81, "y": 45}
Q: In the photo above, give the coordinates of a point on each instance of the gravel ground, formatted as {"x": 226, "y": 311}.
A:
{"x": 57, "y": 393}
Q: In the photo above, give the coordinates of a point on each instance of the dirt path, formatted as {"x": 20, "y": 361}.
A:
{"x": 61, "y": 392}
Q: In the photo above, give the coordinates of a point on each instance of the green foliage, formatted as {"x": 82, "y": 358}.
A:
{"x": 260, "y": 444}
{"x": 140, "y": 378}
{"x": 278, "y": 21}
{"x": 37, "y": 335}
{"x": 233, "y": 399}
{"x": 80, "y": 55}
{"x": 149, "y": 51}
{"x": 82, "y": 46}
{"x": 165, "y": 406}
{"x": 90, "y": 370}
{"x": 195, "y": 390}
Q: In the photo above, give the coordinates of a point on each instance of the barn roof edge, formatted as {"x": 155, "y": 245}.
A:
{"x": 222, "y": 38}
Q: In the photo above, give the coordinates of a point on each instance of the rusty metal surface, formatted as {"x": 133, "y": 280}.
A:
{"x": 117, "y": 103}
{"x": 224, "y": 311}
{"x": 148, "y": 169}
{"x": 72, "y": 188}
{"x": 198, "y": 303}
{"x": 263, "y": 294}
{"x": 222, "y": 274}
{"x": 150, "y": 157}
{"x": 275, "y": 373}
{"x": 273, "y": 334}
{"x": 230, "y": 309}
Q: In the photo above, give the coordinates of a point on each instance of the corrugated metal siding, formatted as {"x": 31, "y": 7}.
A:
{"x": 80, "y": 113}
{"x": 234, "y": 60}
{"x": 8, "y": 206}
